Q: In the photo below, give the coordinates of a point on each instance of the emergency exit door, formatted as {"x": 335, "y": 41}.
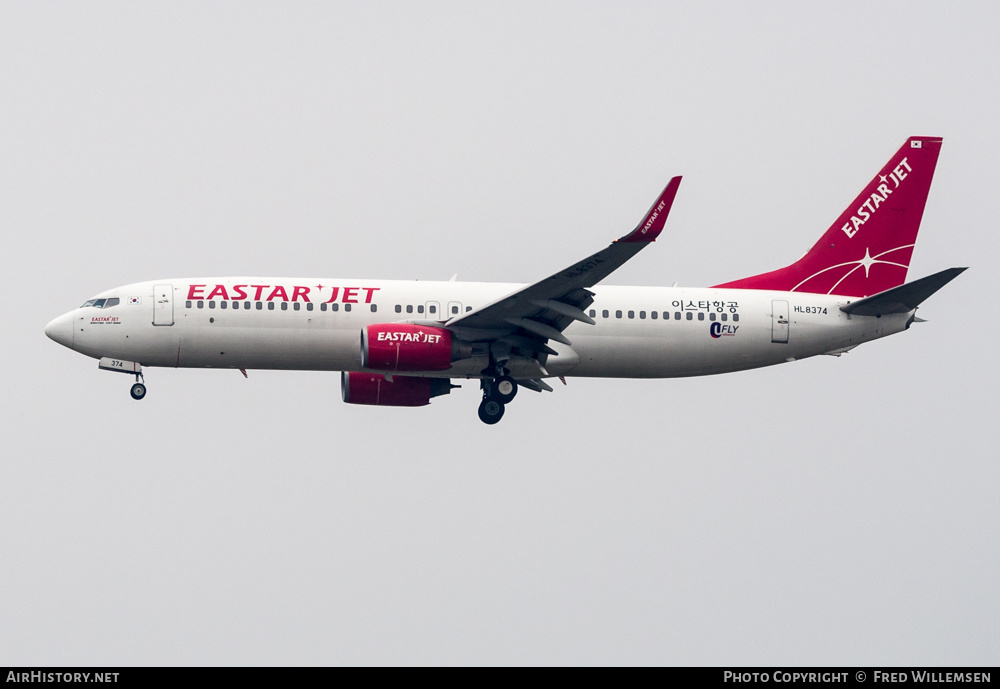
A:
{"x": 163, "y": 305}
{"x": 779, "y": 321}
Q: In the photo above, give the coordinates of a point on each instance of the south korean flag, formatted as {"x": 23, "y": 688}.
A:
{"x": 916, "y": 144}
{"x": 134, "y": 300}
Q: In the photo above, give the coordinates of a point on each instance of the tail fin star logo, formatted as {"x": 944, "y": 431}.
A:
{"x": 866, "y": 262}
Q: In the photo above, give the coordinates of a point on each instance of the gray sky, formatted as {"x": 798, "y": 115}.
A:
{"x": 836, "y": 511}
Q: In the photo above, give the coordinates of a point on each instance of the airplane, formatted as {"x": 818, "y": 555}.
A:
{"x": 402, "y": 343}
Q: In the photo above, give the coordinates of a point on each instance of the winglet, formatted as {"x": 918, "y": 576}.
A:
{"x": 652, "y": 224}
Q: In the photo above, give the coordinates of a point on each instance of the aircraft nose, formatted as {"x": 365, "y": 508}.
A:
{"x": 61, "y": 330}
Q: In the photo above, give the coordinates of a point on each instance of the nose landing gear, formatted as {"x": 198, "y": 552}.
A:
{"x": 138, "y": 390}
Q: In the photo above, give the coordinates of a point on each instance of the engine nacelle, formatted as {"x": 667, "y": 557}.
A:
{"x": 403, "y": 391}
{"x": 407, "y": 347}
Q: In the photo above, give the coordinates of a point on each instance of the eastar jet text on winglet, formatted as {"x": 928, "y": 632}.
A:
{"x": 401, "y": 343}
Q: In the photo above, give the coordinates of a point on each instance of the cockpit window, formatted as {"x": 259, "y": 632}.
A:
{"x": 101, "y": 303}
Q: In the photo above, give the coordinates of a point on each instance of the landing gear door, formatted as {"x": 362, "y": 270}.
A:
{"x": 163, "y": 305}
{"x": 779, "y": 321}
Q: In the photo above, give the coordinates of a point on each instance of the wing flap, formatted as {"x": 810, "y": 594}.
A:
{"x": 536, "y": 384}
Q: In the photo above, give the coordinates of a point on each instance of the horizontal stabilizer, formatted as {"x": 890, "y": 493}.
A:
{"x": 904, "y": 298}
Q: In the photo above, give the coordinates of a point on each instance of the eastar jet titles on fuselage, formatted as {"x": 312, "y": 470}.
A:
{"x": 400, "y": 343}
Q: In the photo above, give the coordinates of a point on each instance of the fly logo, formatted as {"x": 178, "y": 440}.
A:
{"x": 718, "y": 330}
{"x": 867, "y": 209}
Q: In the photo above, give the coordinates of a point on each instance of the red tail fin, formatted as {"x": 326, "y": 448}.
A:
{"x": 868, "y": 249}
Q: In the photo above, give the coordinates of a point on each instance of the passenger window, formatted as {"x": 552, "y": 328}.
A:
{"x": 246, "y": 305}
{"x": 284, "y": 306}
{"x": 270, "y": 306}
{"x": 666, "y": 315}
{"x": 677, "y": 315}
{"x": 631, "y": 314}
{"x": 297, "y": 306}
{"x": 260, "y": 305}
{"x": 642, "y": 314}
{"x": 335, "y": 307}
{"x": 409, "y": 308}
{"x": 593, "y": 313}
{"x": 211, "y": 304}
{"x": 736, "y": 317}
{"x": 201, "y": 304}
{"x": 701, "y": 315}
{"x": 711, "y": 316}
{"x": 723, "y": 317}
{"x": 399, "y": 309}
{"x": 618, "y": 314}
{"x": 454, "y": 309}
{"x": 309, "y": 306}
{"x": 187, "y": 305}
{"x": 652, "y": 314}
{"x": 420, "y": 309}
{"x": 223, "y": 304}
{"x": 374, "y": 308}
{"x": 236, "y": 305}
{"x": 468, "y": 308}
{"x": 605, "y": 314}
{"x": 432, "y": 309}
{"x": 690, "y": 315}
{"x": 347, "y": 307}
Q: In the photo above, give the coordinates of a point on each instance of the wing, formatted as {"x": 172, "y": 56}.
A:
{"x": 526, "y": 319}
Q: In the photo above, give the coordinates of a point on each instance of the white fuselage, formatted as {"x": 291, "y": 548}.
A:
{"x": 290, "y": 323}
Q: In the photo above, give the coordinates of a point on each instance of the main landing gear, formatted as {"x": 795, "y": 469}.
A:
{"x": 497, "y": 392}
{"x": 490, "y": 411}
